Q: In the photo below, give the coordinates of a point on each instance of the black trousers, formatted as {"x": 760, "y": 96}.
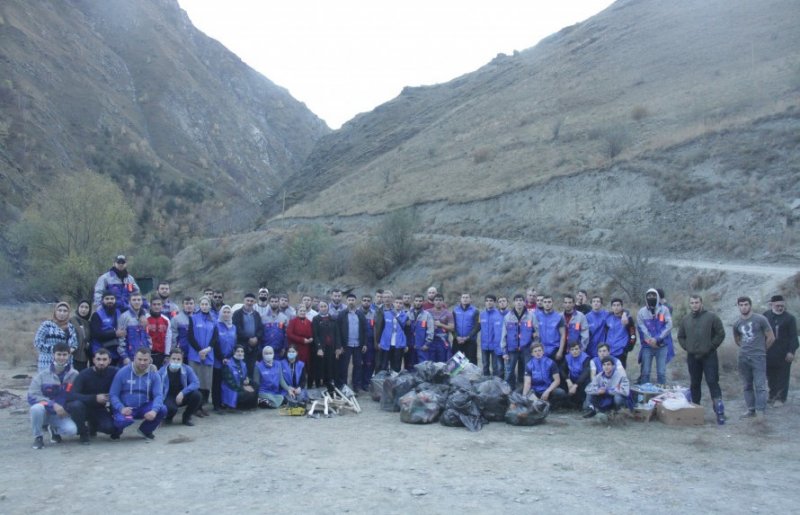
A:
{"x": 778, "y": 379}
{"x": 328, "y": 367}
{"x": 216, "y": 388}
{"x": 708, "y": 365}
{"x": 348, "y": 354}
{"x": 390, "y": 358}
{"x": 192, "y": 402}
{"x": 469, "y": 348}
{"x": 246, "y": 400}
{"x": 95, "y": 415}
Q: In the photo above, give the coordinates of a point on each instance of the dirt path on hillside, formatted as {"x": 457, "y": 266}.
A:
{"x": 373, "y": 463}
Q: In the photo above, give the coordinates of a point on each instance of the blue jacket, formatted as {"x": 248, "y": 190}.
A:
{"x": 203, "y": 333}
{"x": 549, "y": 334}
{"x": 518, "y": 332}
{"x": 135, "y": 334}
{"x": 466, "y": 321}
{"x": 274, "y": 333}
{"x": 617, "y": 335}
{"x": 189, "y": 379}
{"x": 491, "y": 330}
{"x": 132, "y": 390}
{"x": 49, "y": 388}
{"x": 393, "y": 324}
{"x": 597, "y": 330}
{"x": 422, "y": 327}
{"x": 104, "y": 328}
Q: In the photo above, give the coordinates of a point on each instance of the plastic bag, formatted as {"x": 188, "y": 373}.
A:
{"x": 420, "y": 407}
{"x": 431, "y": 372}
{"x": 461, "y": 410}
{"x": 491, "y": 396}
{"x": 395, "y": 387}
{"x": 376, "y": 384}
{"x": 523, "y": 411}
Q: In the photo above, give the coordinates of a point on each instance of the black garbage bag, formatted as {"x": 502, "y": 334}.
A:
{"x": 421, "y": 407}
{"x": 472, "y": 372}
{"x": 441, "y": 391}
{"x": 395, "y": 387}
{"x": 491, "y": 396}
{"x": 431, "y": 372}
{"x": 523, "y": 411}
{"x": 461, "y": 410}
{"x": 376, "y": 384}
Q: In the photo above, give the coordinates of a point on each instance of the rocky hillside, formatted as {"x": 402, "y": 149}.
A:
{"x": 668, "y": 121}
{"x": 196, "y": 139}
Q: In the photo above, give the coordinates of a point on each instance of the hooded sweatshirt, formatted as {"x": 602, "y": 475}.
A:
{"x": 656, "y": 321}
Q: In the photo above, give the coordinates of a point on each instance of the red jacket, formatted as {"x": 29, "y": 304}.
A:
{"x": 157, "y": 329}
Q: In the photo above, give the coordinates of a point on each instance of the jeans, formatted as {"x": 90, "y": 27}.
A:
{"x": 344, "y": 365}
{"x": 708, "y": 365}
{"x": 437, "y": 352}
{"x": 511, "y": 368}
{"x": 493, "y": 361}
{"x": 753, "y": 372}
{"x": 604, "y": 402}
{"x": 147, "y": 426}
{"x": 660, "y": 355}
{"x": 60, "y": 425}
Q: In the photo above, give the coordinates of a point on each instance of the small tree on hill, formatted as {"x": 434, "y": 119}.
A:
{"x": 70, "y": 232}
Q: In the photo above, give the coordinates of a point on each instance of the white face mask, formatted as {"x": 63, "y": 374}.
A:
{"x": 268, "y": 358}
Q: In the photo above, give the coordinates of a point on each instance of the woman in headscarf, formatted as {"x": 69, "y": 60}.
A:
{"x": 267, "y": 380}
{"x": 203, "y": 348}
{"x": 293, "y": 381}
{"x": 51, "y": 332}
{"x": 80, "y": 322}
{"x": 237, "y": 392}
{"x": 227, "y": 342}
{"x": 301, "y": 335}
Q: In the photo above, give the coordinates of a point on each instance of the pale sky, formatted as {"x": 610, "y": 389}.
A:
{"x": 344, "y": 57}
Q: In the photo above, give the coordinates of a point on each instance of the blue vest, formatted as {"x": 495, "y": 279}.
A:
{"x": 548, "y": 330}
{"x": 393, "y": 325}
{"x": 597, "y": 330}
{"x": 575, "y": 365}
{"x": 203, "y": 327}
{"x": 616, "y": 335}
{"x": 491, "y": 330}
{"x": 270, "y": 377}
{"x": 464, "y": 319}
{"x": 135, "y": 337}
{"x": 598, "y": 365}
{"x": 518, "y": 333}
{"x": 574, "y": 329}
{"x": 109, "y": 323}
{"x": 227, "y": 341}
{"x": 294, "y": 382}
{"x": 539, "y": 370}
{"x": 239, "y": 371}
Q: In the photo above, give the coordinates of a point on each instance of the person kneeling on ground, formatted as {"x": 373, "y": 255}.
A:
{"x": 268, "y": 380}
{"x": 542, "y": 377}
{"x": 575, "y": 369}
{"x": 181, "y": 388}
{"x": 136, "y": 393}
{"x": 47, "y": 396}
{"x": 596, "y": 363}
{"x": 608, "y": 390}
{"x": 88, "y": 400}
{"x": 237, "y": 392}
{"x": 293, "y": 380}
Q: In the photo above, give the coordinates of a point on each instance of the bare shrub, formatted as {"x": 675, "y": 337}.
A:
{"x": 616, "y": 139}
{"x": 369, "y": 262}
{"x": 632, "y": 269}
{"x": 705, "y": 280}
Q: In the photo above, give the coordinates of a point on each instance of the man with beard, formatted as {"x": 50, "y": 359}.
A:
{"x": 118, "y": 281}
{"x": 103, "y": 327}
{"x": 249, "y": 331}
{"x": 168, "y": 308}
{"x": 781, "y": 354}
{"x": 136, "y": 393}
{"x": 88, "y": 400}
{"x": 466, "y": 320}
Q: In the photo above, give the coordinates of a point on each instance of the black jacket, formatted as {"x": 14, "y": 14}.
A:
{"x": 785, "y": 328}
{"x": 241, "y": 339}
{"x": 343, "y": 320}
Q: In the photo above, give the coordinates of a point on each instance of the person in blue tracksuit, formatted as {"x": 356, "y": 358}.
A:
{"x": 576, "y": 372}
{"x": 203, "y": 348}
{"x": 179, "y": 327}
{"x": 596, "y": 318}
{"x": 542, "y": 377}
{"x": 368, "y": 362}
{"x": 520, "y": 330}
{"x": 137, "y": 393}
{"x": 293, "y": 379}
{"x": 552, "y": 329}
{"x": 655, "y": 334}
{"x": 237, "y": 392}
{"x": 466, "y": 322}
{"x": 133, "y": 321}
{"x": 274, "y": 324}
{"x": 268, "y": 380}
{"x": 181, "y": 388}
{"x": 620, "y": 332}
{"x": 421, "y": 328}
{"x": 103, "y": 327}
{"x": 491, "y": 322}
{"x": 226, "y": 331}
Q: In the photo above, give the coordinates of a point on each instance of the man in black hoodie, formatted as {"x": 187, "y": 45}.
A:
{"x": 781, "y": 354}
{"x": 87, "y": 401}
{"x": 700, "y": 334}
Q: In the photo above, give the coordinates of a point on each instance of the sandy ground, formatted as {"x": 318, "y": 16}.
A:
{"x": 374, "y": 463}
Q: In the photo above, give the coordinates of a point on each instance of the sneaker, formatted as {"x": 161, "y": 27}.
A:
{"x": 38, "y": 443}
{"x": 777, "y": 404}
{"x": 148, "y": 436}
{"x": 188, "y": 422}
{"x": 218, "y": 411}
{"x": 85, "y": 439}
{"x": 168, "y": 421}
{"x": 760, "y": 415}
{"x": 55, "y": 437}
{"x": 115, "y": 435}
{"x": 749, "y": 414}
{"x": 589, "y": 412}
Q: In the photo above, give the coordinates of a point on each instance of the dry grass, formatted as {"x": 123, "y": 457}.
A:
{"x": 18, "y": 325}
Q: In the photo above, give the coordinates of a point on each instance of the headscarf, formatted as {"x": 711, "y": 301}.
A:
{"x": 65, "y": 323}
{"x": 221, "y": 309}
{"x": 88, "y": 315}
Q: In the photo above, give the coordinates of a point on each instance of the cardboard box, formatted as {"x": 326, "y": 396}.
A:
{"x": 643, "y": 412}
{"x": 693, "y": 415}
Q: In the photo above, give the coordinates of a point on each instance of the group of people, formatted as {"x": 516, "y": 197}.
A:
{"x": 121, "y": 357}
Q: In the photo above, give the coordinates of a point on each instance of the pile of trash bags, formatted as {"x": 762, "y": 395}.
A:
{"x": 466, "y": 399}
